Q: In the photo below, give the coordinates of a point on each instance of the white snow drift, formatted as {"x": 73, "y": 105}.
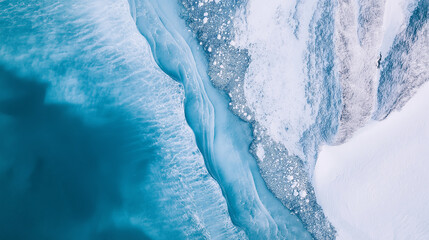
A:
{"x": 376, "y": 186}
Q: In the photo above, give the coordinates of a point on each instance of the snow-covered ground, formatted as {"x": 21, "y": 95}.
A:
{"x": 376, "y": 185}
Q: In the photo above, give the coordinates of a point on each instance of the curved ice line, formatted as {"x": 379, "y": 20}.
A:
{"x": 250, "y": 204}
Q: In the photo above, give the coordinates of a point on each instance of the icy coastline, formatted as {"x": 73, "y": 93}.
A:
{"x": 221, "y": 136}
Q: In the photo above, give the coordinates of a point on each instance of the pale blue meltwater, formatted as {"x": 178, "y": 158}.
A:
{"x": 221, "y": 136}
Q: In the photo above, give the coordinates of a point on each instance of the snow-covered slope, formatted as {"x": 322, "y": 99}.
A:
{"x": 375, "y": 185}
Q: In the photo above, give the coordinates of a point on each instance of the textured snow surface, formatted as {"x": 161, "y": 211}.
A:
{"x": 306, "y": 73}
{"x": 375, "y": 185}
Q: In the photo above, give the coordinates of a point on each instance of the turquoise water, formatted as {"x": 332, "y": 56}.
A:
{"x": 95, "y": 140}
{"x": 100, "y": 142}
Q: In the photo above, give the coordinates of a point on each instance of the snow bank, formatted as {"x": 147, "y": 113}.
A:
{"x": 375, "y": 186}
